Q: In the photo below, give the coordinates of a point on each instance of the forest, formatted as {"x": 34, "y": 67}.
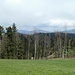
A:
{"x": 15, "y": 45}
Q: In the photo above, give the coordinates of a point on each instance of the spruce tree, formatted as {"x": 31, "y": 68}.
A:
{"x": 1, "y": 32}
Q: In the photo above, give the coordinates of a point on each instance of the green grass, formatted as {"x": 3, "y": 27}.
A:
{"x": 37, "y": 67}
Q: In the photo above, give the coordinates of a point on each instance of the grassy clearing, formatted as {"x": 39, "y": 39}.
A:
{"x": 37, "y": 67}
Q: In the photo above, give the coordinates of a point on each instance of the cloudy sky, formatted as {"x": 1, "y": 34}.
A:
{"x": 43, "y": 14}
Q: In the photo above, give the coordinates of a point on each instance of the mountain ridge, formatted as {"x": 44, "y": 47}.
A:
{"x": 72, "y": 31}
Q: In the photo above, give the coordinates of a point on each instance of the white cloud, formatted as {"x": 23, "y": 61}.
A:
{"x": 61, "y": 22}
{"x": 37, "y": 12}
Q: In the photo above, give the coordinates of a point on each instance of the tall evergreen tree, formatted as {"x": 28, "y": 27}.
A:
{"x": 1, "y": 32}
{"x": 9, "y": 42}
{"x": 14, "y": 31}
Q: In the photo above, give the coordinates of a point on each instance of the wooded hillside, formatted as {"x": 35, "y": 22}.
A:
{"x": 14, "y": 45}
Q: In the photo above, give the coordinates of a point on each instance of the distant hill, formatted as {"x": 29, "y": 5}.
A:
{"x": 72, "y": 31}
{"x": 31, "y": 32}
{"x": 24, "y": 31}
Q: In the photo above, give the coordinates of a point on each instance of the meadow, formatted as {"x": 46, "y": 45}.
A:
{"x": 37, "y": 67}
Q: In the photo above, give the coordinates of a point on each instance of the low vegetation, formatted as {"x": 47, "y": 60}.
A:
{"x": 38, "y": 67}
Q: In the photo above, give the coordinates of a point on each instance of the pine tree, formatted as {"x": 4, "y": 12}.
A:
{"x": 1, "y": 32}
{"x": 14, "y": 31}
{"x": 9, "y": 42}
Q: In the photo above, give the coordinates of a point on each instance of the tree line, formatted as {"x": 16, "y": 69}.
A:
{"x": 14, "y": 45}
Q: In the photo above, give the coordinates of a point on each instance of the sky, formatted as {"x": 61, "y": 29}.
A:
{"x": 41, "y": 14}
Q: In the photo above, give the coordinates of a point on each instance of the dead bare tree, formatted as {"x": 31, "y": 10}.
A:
{"x": 60, "y": 45}
{"x": 65, "y": 40}
{"x": 28, "y": 46}
{"x": 36, "y": 43}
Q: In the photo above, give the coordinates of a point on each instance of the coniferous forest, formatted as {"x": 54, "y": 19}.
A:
{"x": 15, "y": 45}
